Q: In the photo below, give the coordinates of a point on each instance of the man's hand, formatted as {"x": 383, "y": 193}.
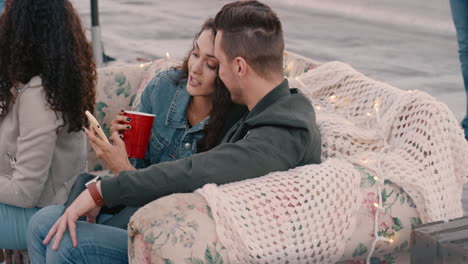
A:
{"x": 113, "y": 155}
{"x": 84, "y": 205}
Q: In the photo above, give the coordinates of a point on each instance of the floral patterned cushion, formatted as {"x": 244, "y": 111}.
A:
{"x": 396, "y": 222}
{"x": 180, "y": 229}
{"x": 121, "y": 87}
{"x": 116, "y": 88}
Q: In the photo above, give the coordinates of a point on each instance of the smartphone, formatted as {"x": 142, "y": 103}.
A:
{"x": 95, "y": 125}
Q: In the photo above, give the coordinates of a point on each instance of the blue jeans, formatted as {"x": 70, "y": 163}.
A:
{"x": 460, "y": 19}
{"x": 13, "y": 225}
{"x": 96, "y": 243}
{"x": 1, "y": 5}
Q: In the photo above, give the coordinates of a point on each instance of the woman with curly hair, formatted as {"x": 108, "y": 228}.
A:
{"x": 47, "y": 81}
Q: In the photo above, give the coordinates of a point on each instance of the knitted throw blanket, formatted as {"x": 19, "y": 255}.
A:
{"x": 306, "y": 214}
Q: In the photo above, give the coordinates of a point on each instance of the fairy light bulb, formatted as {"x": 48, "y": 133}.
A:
{"x": 386, "y": 239}
{"x": 332, "y": 98}
{"x": 168, "y": 56}
{"x": 318, "y": 107}
{"x": 376, "y": 205}
{"x": 290, "y": 66}
{"x": 377, "y": 104}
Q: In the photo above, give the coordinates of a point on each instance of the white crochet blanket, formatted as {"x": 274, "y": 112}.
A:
{"x": 306, "y": 214}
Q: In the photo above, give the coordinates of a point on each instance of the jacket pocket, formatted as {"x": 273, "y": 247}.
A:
{"x": 155, "y": 149}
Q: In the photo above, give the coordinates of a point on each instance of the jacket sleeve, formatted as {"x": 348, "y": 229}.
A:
{"x": 35, "y": 149}
{"x": 264, "y": 150}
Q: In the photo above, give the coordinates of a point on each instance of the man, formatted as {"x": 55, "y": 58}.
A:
{"x": 459, "y": 10}
{"x": 277, "y": 134}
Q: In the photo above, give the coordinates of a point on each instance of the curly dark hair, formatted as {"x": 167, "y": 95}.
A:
{"x": 45, "y": 38}
{"x": 221, "y": 100}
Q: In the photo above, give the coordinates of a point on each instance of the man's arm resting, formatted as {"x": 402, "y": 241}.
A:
{"x": 265, "y": 150}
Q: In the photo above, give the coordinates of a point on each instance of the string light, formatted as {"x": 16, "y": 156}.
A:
{"x": 290, "y": 66}
{"x": 380, "y": 175}
{"x": 386, "y": 239}
{"x": 168, "y": 56}
{"x": 379, "y": 178}
{"x": 377, "y": 104}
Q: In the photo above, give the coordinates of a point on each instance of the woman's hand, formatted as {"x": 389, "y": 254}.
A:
{"x": 113, "y": 155}
{"x": 84, "y": 205}
{"x": 120, "y": 123}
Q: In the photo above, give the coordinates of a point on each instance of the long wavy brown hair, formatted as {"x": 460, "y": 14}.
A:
{"x": 221, "y": 99}
{"x": 45, "y": 38}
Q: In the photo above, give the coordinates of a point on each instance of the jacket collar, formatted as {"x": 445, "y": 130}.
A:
{"x": 274, "y": 95}
{"x": 176, "y": 116}
{"x": 35, "y": 81}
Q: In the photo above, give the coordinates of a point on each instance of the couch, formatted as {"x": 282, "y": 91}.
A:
{"x": 180, "y": 228}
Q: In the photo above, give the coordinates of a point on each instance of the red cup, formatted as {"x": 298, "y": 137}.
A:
{"x": 137, "y": 138}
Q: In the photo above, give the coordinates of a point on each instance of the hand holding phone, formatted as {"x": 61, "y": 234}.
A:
{"x": 95, "y": 125}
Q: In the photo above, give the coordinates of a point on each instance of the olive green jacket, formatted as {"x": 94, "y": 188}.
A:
{"x": 279, "y": 133}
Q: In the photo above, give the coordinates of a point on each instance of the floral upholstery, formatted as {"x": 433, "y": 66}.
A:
{"x": 177, "y": 228}
{"x": 396, "y": 222}
{"x": 180, "y": 229}
{"x": 116, "y": 88}
{"x": 120, "y": 87}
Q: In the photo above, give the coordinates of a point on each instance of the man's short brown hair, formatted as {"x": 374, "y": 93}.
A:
{"x": 253, "y": 31}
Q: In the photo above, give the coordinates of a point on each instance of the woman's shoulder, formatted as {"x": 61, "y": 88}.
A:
{"x": 172, "y": 74}
{"x": 168, "y": 80}
{"x": 32, "y": 99}
{"x": 33, "y": 88}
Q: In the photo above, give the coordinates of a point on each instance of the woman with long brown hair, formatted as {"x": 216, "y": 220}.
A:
{"x": 47, "y": 81}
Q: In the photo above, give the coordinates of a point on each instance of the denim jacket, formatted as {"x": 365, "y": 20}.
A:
{"x": 171, "y": 137}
